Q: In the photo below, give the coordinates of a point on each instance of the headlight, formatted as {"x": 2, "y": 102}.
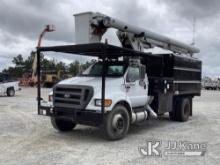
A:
{"x": 50, "y": 98}
{"x": 107, "y": 102}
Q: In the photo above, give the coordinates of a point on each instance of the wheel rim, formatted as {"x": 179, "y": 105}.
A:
{"x": 118, "y": 124}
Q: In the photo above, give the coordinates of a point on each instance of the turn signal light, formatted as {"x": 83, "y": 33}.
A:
{"x": 107, "y": 102}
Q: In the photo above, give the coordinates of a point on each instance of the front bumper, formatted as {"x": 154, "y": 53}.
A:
{"x": 78, "y": 116}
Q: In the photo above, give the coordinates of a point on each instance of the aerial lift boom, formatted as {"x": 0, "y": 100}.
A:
{"x": 90, "y": 28}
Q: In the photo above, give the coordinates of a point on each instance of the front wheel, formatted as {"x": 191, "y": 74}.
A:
{"x": 62, "y": 125}
{"x": 116, "y": 123}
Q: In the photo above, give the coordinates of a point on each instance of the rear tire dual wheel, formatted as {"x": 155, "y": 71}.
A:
{"x": 10, "y": 92}
{"x": 116, "y": 123}
{"x": 181, "y": 110}
{"x": 62, "y": 125}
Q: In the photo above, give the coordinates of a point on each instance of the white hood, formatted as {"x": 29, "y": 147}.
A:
{"x": 95, "y": 82}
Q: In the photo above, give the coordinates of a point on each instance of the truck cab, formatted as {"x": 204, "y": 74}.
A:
{"x": 78, "y": 100}
{"x": 124, "y": 83}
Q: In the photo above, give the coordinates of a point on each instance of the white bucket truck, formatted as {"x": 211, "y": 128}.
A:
{"x": 126, "y": 85}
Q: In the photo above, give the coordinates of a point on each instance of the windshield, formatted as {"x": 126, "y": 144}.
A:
{"x": 113, "y": 69}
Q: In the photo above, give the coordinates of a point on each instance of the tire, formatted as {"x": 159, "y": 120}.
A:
{"x": 62, "y": 125}
{"x": 116, "y": 123}
{"x": 10, "y": 92}
{"x": 172, "y": 114}
{"x": 181, "y": 111}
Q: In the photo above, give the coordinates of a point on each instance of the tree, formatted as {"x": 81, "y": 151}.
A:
{"x": 24, "y": 67}
{"x": 61, "y": 66}
{"x": 16, "y": 71}
{"x": 18, "y": 60}
{"x": 13, "y": 72}
{"x": 74, "y": 68}
{"x": 87, "y": 64}
{"x": 28, "y": 63}
{"x": 48, "y": 64}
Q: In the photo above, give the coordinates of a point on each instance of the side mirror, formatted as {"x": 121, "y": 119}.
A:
{"x": 142, "y": 72}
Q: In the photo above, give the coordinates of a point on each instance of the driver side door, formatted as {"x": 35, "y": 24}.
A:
{"x": 136, "y": 91}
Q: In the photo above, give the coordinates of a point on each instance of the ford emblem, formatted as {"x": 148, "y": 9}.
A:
{"x": 66, "y": 95}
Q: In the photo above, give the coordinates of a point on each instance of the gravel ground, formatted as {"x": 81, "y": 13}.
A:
{"x": 26, "y": 138}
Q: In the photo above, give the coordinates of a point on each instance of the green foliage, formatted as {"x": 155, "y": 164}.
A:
{"x": 74, "y": 68}
{"x": 14, "y": 72}
{"x": 61, "y": 66}
{"x": 24, "y": 66}
{"x": 18, "y": 60}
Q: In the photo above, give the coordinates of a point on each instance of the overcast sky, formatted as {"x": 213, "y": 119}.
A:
{"x": 21, "y": 21}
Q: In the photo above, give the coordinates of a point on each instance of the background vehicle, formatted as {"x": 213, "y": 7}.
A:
{"x": 50, "y": 77}
{"x": 127, "y": 85}
{"x": 8, "y": 85}
{"x": 211, "y": 84}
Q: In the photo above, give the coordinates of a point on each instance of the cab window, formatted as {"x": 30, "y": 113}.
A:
{"x": 113, "y": 70}
{"x": 133, "y": 74}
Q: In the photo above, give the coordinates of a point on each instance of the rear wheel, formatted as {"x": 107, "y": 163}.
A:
{"x": 116, "y": 123}
{"x": 182, "y": 109}
{"x": 10, "y": 92}
{"x": 62, "y": 125}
